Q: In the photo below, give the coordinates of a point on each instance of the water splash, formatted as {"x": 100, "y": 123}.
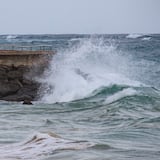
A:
{"x": 77, "y": 72}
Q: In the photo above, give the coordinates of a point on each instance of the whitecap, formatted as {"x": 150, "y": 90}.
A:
{"x": 39, "y": 145}
{"x": 119, "y": 95}
{"x": 146, "y": 38}
{"x": 134, "y": 35}
{"x": 11, "y": 37}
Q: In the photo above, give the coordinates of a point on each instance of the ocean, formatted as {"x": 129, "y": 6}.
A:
{"x": 100, "y": 100}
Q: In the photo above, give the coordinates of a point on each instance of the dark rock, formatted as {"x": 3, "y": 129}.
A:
{"x": 27, "y": 82}
{"x": 14, "y": 75}
{"x": 17, "y": 97}
{"x": 14, "y": 86}
{"x": 7, "y": 88}
{"x": 28, "y": 102}
{"x": 9, "y": 98}
{"x": 2, "y": 69}
{"x": 6, "y": 68}
{"x": 23, "y": 69}
{"x": 18, "y": 71}
{"x": 32, "y": 92}
{"x": 24, "y": 97}
{"x": 3, "y": 74}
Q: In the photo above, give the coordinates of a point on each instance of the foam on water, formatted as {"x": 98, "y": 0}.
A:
{"x": 39, "y": 145}
{"x": 76, "y": 72}
{"x": 10, "y": 37}
{"x": 119, "y": 95}
{"x": 134, "y": 35}
{"x": 146, "y": 38}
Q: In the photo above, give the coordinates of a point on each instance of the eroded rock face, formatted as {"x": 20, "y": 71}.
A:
{"x": 16, "y": 86}
{"x": 18, "y": 70}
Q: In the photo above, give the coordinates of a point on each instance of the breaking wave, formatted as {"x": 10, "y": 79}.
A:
{"x": 121, "y": 94}
{"x": 134, "y": 35}
{"x": 146, "y": 38}
{"x": 77, "y": 72}
{"x": 39, "y": 145}
{"x": 10, "y": 37}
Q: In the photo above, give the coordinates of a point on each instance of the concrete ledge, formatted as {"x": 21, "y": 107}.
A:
{"x": 21, "y": 53}
{"x": 25, "y": 58}
{"x": 18, "y": 70}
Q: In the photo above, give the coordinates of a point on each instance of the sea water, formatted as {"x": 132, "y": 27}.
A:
{"x": 100, "y": 99}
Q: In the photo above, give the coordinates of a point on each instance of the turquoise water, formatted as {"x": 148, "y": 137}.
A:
{"x": 100, "y": 99}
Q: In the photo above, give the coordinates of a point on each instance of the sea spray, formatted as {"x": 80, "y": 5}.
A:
{"x": 76, "y": 72}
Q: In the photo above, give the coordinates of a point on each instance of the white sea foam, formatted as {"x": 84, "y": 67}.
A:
{"x": 39, "y": 145}
{"x": 134, "y": 35}
{"x": 9, "y": 37}
{"x": 119, "y": 95}
{"x": 76, "y": 73}
{"x": 146, "y": 38}
{"x": 75, "y": 39}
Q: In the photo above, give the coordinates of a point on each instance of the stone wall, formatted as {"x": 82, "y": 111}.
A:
{"x": 18, "y": 72}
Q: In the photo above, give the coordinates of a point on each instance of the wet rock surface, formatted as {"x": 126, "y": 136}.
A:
{"x": 17, "y": 83}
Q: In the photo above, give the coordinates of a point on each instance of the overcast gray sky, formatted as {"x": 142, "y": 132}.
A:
{"x": 79, "y": 16}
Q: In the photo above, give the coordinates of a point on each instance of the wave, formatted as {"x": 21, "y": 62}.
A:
{"x": 146, "y": 38}
{"x": 121, "y": 94}
{"x": 134, "y": 35}
{"x": 77, "y": 72}
{"x": 77, "y": 39}
{"x": 39, "y": 145}
{"x": 10, "y": 37}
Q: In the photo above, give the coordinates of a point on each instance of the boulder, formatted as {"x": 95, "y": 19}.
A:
{"x": 17, "y": 97}
{"x": 7, "y": 88}
{"x": 14, "y": 74}
{"x": 28, "y": 102}
{"x": 3, "y": 74}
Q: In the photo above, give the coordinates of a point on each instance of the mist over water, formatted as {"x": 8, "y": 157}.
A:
{"x": 80, "y": 70}
{"x": 100, "y": 99}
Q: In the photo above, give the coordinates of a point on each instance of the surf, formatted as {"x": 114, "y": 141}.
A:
{"x": 75, "y": 73}
{"x": 41, "y": 144}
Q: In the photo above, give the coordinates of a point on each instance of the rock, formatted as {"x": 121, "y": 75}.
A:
{"x": 17, "y": 97}
{"x": 23, "y": 69}
{"x": 7, "y": 88}
{"x": 12, "y": 97}
{"x": 27, "y": 82}
{"x": 24, "y": 97}
{"x": 4, "y": 67}
{"x": 27, "y": 91}
{"x": 18, "y": 71}
{"x": 3, "y": 74}
{"x": 14, "y": 75}
{"x": 14, "y": 87}
{"x": 28, "y": 102}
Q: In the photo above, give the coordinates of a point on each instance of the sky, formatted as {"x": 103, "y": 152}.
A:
{"x": 79, "y": 16}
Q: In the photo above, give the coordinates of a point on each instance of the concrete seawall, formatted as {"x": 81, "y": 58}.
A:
{"x": 18, "y": 70}
{"x": 25, "y": 58}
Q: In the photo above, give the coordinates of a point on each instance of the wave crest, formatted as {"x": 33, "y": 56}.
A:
{"x": 41, "y": 144}
{"x": 134, "y": 35}
{"x": 78, "y": 71}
